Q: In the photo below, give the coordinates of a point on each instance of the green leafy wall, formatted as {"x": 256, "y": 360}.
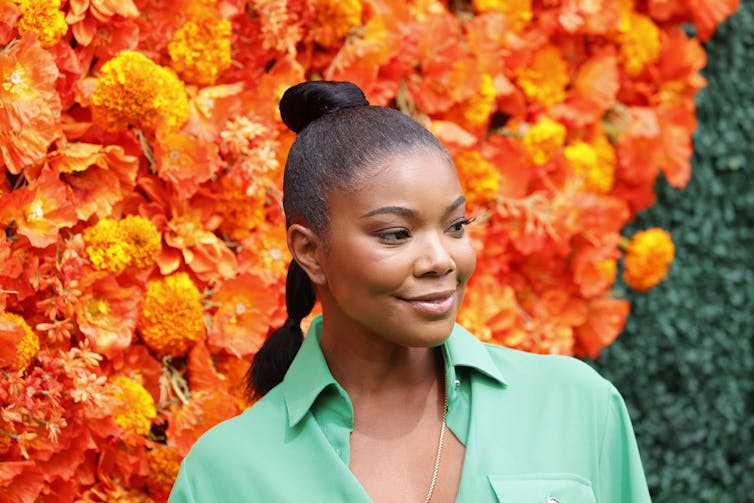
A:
{"x": 685, "y": 362}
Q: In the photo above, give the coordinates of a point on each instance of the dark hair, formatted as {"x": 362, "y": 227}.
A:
{"x": 339, "y": 135}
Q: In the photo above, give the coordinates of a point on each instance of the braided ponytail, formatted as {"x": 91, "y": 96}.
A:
{"x": 276, "y": 354}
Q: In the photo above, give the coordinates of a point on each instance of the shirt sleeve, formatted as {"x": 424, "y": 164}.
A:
{"x": 621, "y": 475}
{"x": 182, "y": 491}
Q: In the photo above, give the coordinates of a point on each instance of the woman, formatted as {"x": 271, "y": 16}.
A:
{"x": 387, "y": 399}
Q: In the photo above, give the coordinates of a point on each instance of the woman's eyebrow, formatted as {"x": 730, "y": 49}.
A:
{"x": 408, "y": 212}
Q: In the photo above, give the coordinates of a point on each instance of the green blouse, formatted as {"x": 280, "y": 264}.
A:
{"x": 535, "y": 427}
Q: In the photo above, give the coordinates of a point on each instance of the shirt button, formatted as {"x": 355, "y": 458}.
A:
{"x": 552, "y": 500}
{"x": 457, "y": 383}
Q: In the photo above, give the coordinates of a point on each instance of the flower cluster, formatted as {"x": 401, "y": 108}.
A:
{"x": 143, "y": 253}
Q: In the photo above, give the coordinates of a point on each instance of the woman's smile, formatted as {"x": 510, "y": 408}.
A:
{"x": 433, "y": 304}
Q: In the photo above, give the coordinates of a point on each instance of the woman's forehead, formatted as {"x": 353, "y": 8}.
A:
{"x": 416, "y": 177}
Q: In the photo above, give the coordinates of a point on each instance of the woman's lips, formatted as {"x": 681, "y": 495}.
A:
{"x": 433, "y": 305}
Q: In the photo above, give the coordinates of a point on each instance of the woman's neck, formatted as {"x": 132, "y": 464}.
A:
{"x": 369, "y": 367}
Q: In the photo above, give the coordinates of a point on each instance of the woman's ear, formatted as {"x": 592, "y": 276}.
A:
{"x": 306, "y": 248}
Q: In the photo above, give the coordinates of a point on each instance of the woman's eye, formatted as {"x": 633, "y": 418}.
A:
{"x": 458, "y": 227}
{"x": 394, "y": 236}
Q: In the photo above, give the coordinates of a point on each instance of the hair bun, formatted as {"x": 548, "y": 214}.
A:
{"x": 308, "y": 101}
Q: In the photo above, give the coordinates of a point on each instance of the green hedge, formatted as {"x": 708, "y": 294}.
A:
{"x": 685, "y": 362}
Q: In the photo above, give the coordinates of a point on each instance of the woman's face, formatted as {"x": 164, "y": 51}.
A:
{"x": 397, "y": 257}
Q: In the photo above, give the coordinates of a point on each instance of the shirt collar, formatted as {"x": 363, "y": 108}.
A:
{"x": 462, "y": 349}
{"x": 309, "y": 375}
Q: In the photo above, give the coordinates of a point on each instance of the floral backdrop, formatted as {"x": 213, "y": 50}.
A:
{"x": 143, "y": 256}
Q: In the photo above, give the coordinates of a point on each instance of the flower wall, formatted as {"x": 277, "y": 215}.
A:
{"x": 143, "y": 259}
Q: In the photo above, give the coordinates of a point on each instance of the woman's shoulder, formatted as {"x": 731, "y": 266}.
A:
{"x": 551, "y": 370}
{"x": 246, "y": 432}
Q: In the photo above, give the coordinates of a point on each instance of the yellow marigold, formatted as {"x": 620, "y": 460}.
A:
{"x": 587, "y": 166}
{"x": 478, "y": 109}
{"x": 334, "y": 19}
{"x": 200, "y": 49}
{"x": 163, "y": 469}
{"x": 647, "y": 258}
{"x": 479, "y": 178}
{"x": 135, "y": 410}
{"x": 518, "y": 12}
{"x": 115, "y": 246}
{"x": 545, "y": 77}
{"x": 543, "y": 140}
{"x": 44, "y": 18}
{"x": 27, "y": 347}
{"x": 639, "y": 40}
{"x": 134, "y": 90}
{"x": 171, "y": 315}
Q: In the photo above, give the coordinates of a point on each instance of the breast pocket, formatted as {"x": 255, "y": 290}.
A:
{"x": 542, "y": 488}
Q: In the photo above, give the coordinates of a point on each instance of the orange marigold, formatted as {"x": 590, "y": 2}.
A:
{"x": 479, "y": 178}
{"x": 44, "y": 18}
{"x": 334, "y": 19}
{"x": 544, "y": 139}
{"x": 117, "y": 245}
{"x": 478, "y": 108}
{"x": 135, "y": 410}
{"x": 519, "y": 12}
{"x": 14, "y": 328}
{"x": 134, "y": 90}
{"x": 163, "y": 464}
{"x": 648, "y": 258}
{"x": 171, "y": 315}
{"x": 200, "y": 49}
{"x": 639, "y": 40}
{"x": 587, "y": 166}
{"x": 545, "y": 78}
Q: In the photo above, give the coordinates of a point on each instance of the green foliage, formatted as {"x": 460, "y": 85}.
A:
{"x": 685, "y": 362}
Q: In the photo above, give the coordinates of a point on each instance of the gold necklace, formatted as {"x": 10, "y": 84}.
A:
{"x": 436, "y": 469}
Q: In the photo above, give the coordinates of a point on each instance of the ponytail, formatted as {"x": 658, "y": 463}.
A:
{"x": 276, "y": 354}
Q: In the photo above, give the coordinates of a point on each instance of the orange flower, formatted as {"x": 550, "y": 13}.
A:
{"x": 545, "y": 77}
{"x": 100, "y": 176}
{"x": 200, "y": 48}
{"x": 708, "y": 15}
{"x": 479, "y": 178}
{"x": 595, "y": 267}
{"x": 171, "y": 315}
{"x": 182, "y": 223}
{"x": 40, "y": 210}
{"x": 118, "y": 245}
{"x": 639, "y": 40}
{"x": 29, "y": 104}
{"x": 265, "y": 254}
{"x": 281, "y": 23}
{"x": 589, "y": 16}
{"x": 244, "y": 316}
{"x": 590, "y": 170}
{"x": 204, "y": 410}
{"x": 648, "y": 258}
{"x": 544, "y": 140}
{"x": 241, "y": 208}
{"x": 164, "y": 463}
{"x": 334, "y": 19}
{"x": 519, "y": 12}
{"x": 135, "y": 410}
{"x": 475, "y": 111}
{"x": 606, "y": 317}
{"x": 132, "y": 90}
{"x": 106, "y": 312}
{"x": 44, "y": 18}
{"x": 18, "y": 342}
{"x": 185, "y": 161}
{"x": 85, "y": 16}
{"x": 490, "y": 310}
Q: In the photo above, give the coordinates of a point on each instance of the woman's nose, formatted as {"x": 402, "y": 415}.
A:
{"x": 433, "y": 257}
